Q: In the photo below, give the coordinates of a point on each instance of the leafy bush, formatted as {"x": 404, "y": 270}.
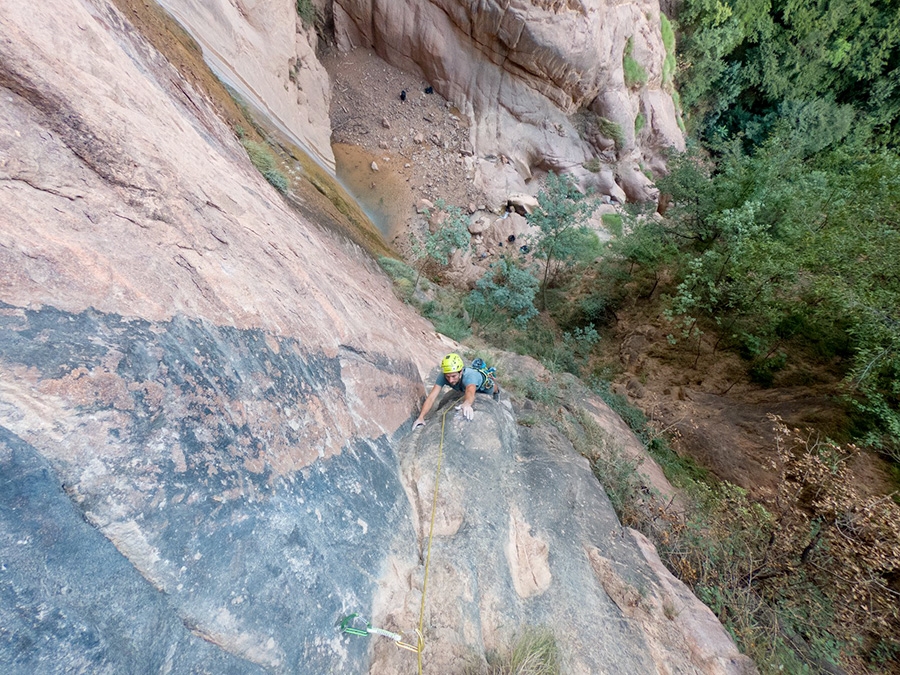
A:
{"x": 448, "y": 321}
{"x": 804, "y": 580}
{"x": 667, "y": 33}
{"x": 639, "y": 122}
{"x": 397, "y": 269}
{"x": 560, "y": 217}
{"x": 307, "y": 12}
{"x": 745, "y": 60}
{"x": 592, "y": 165}
{"x": 613, "y": 223}
{"x": 611, "y": 130}
{"x": 668, "y": 38}
{"x": 434, "y": 247}
{"x": 538, "y": 391}
{"x": 772, "y": 240}
{"x": 277, "y": 179}
{"x": 506, "y": 287}
{"x": 450, "y": 235}
{"x": 578, "y": 345}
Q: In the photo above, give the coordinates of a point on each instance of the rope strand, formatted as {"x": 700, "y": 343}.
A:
{"x": 437, "y": 476}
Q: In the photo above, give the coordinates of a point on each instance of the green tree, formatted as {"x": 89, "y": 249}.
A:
{"x": 508, "y": 287}
{"x": 646, "y": 248}
{"x": 560, "y": 216}
{"x": 773, "y": 247}
{"x": 749, "y": 65}
{"x": 436, "y": 246}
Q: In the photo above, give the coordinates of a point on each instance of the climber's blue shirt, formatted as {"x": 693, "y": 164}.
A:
{"x": 469, "y": 376}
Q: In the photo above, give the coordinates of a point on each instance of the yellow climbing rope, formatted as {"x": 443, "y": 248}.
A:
{"x": 356, "y": 625}
{"x": 437, "y": 475}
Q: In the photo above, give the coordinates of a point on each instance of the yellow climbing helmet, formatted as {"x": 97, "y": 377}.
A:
{"x": 452, "y": 363}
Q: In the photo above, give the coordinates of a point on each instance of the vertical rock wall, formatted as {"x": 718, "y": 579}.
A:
{"x": 267, "y": 54}
{"x": 543, "y": 82}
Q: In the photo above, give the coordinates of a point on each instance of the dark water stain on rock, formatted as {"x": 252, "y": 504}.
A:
{"x": 69, "y": 602}
{"x": 257, "y": 558}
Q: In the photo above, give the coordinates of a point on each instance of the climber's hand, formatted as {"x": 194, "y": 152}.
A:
{"x": 467, "y": 411}
{"x": 418, "y": 423}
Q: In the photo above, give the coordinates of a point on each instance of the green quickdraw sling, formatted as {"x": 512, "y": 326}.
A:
{"x": 354, "y": 624}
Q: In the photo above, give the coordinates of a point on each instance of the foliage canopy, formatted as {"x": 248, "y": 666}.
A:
{"x": 560, "y": 217}
{"x": 833, "y": 66}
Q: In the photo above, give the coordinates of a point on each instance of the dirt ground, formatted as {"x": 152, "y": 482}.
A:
{"x": 392, "y": 151}
{"x": 716, "y": 415}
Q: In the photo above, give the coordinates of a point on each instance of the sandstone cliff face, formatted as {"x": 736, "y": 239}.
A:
{"x": 265, "y": 52}
{"x": 535, "y": 78}
{"x": 204, "y": 412}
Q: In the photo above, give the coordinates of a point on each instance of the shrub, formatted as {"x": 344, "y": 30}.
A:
{"x": 613, "y": 223}
{"x": 806, "y": 578}
{"x": 397, "y": 269}
{"x": 578, "y": 345}
{"x": 429, "y": 249}
{"x": 592, "y": 165}
{"x": 639, "y": 122}
{"x": 307, "y": 12}
{"x": 668, "y": 70}
{"x": 533, "y": 652}
{"x": 263, "y": 159}
{"x": 667, "y": 33}
{"x": 447, "y": 320}
{"x": 668, "y": 38}
{"x": 611, "y": 130}
{"x": 506, "y": 287}
{"x": 635, "y": 75}
{"x": 563, "y": 238}
{"x": 277, "y": 179}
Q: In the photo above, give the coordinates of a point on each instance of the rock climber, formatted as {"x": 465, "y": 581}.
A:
{"x": 455, "y": 374}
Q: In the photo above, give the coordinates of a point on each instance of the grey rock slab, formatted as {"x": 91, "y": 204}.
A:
{"x": 517, "y": 510}
{"x": 69, "y": 602}
{"x": 152, "y": 430}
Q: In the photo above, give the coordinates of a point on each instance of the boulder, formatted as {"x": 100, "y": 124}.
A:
{"x": 523, "y": 202}
{"x": 496, "y": 180}
{"x": 636, "y": 185}
{"x": 512, "y": 226}
{"x": 477, "y": 225}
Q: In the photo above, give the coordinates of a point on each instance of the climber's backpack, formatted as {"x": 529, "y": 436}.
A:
{"x": 488, "y": 373}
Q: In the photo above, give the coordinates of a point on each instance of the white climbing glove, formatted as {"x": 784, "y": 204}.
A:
{"x": 467, "y": 411}
{"x": 418, "y": 423}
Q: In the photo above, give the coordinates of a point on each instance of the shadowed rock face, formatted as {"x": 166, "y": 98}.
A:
{"x": 205, "y": 461}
